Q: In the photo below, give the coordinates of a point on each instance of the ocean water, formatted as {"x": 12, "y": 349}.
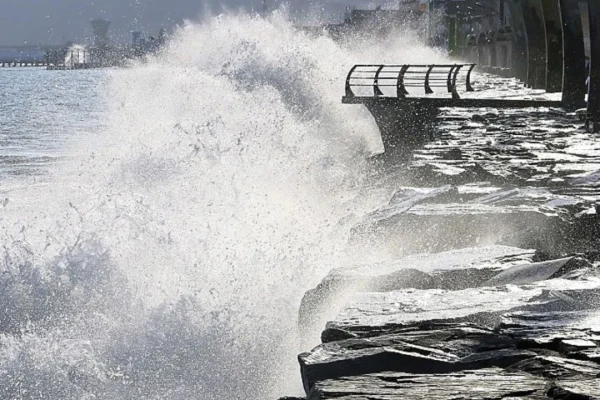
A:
{"x": 160, "y": 223}
{"x": 41, "y": 113}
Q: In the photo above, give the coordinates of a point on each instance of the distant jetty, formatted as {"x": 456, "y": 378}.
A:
{"x": 71, "y": 56}
{"x": 25, "y": 56}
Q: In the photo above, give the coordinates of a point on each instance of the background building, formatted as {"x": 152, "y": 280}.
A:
{"x": 100, "y": 28}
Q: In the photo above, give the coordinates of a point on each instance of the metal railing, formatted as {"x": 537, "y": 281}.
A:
{"x": 406, "y": 76}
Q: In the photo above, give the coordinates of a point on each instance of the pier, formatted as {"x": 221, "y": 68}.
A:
{"x": 25, "y": 56}
{"x": 22, "y": 64}
{"x": 101, "y": 54}
{"x": 72, "y": 59}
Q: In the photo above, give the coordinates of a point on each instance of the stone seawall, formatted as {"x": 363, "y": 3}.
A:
{"x": 495, "y": 290}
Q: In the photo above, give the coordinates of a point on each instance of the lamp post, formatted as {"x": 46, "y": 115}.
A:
{"x": 429, "y": 11}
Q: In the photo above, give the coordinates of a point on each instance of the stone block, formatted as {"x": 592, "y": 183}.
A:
{"x": 536, "y": 272}
{"x": 488, "y": 384}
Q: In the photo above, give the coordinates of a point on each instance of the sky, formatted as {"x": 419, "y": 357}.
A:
{"x": 58, "y": 21}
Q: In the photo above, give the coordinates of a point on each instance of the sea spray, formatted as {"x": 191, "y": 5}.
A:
{"x": 168, "y": 259}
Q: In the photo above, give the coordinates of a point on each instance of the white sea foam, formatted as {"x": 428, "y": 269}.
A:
{"x": 169, "y": 259}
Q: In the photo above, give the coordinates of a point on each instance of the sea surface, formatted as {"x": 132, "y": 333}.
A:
{"x": 159, "y": 224}
{"x": 42, "y": 114}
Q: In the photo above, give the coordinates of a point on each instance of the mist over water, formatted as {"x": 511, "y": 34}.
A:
{"x": 167, "y": 260}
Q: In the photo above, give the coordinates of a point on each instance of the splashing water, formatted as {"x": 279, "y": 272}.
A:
{"x": 169, "y": 259}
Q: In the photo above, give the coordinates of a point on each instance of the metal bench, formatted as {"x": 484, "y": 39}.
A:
{"x": 405, "y": 99}
{"x": 401, "y": 77}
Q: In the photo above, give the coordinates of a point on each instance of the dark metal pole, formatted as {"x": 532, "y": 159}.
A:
{"x": 554, "y": 46}
{"x": 574, "y": 89}
{"x": 519, "y": 41}
{"x": 594, "y": 91}
{"x": 536, "y": 34}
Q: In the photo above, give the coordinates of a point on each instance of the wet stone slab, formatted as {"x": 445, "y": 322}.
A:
{"x": 555, "y": 367}
{"x": 526, "y": 348}
{"x": 550, "y": 330}
{"x": 576, "y": 389}
{"x": 575, "y": 333}
{"x": 553, "y": 224}
{"x": 418, "y": 350}
{"x": 486, "y": 384}
{"x": 452, "y": 270}
{"x": 385, "y": 311}
{"x": 541, "y": 271}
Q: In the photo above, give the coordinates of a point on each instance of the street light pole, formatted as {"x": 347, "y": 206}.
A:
{"x": 429, "y": 7}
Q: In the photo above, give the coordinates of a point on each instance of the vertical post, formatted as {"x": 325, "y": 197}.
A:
{"x": 452, "y": 43}
{"x": 520, "y": 49}
{"x": 554, "y": 46}
{"x": 574, "y": 89}
{"x": 536, "y": 34}
{"x": 481, "y": 47}
{"x": 593, "y": 113}
{"x": 432, "y": 32}
{"x": 460, "y": 38}
{"x": 493, "y": 48}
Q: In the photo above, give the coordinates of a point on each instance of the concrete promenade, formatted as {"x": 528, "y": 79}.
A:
{"x": 489, "y": 282}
